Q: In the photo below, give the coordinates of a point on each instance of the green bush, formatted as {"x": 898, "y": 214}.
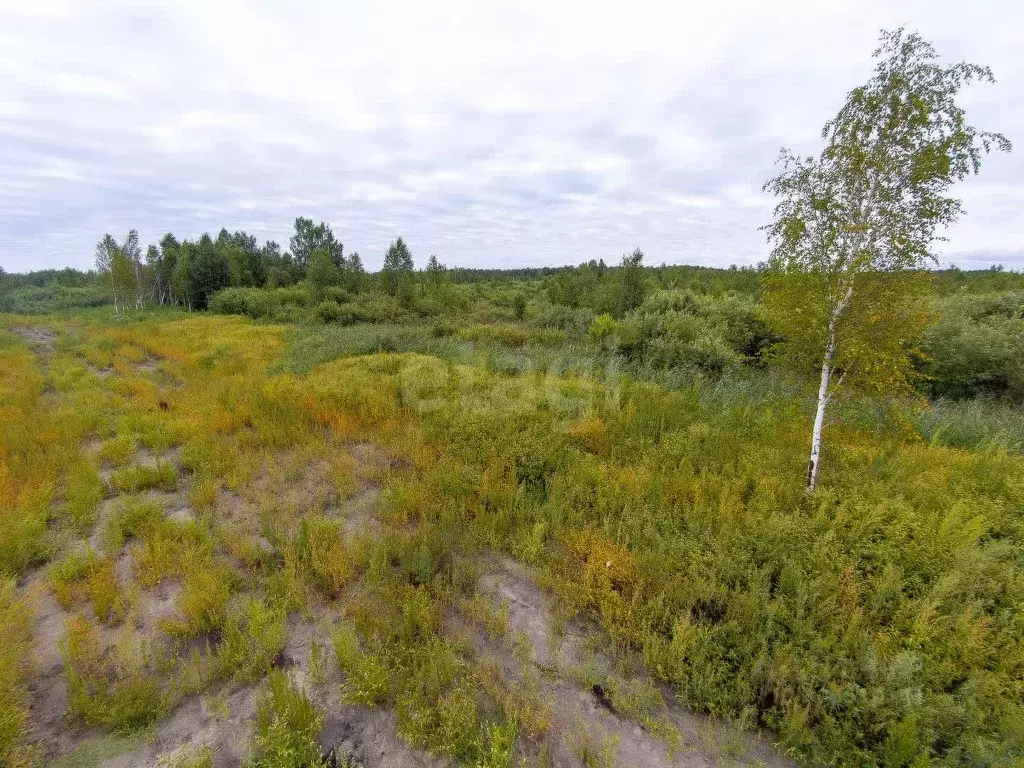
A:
{"x": 161, "y": 476}
{"x": 511, "y": 335}
{"x": 329, "y": 312}
{"x": 287, "y": 726}
{"x": 367, "y": 679}
{"x": 975, "y": 346}
{"x": 680, "y": 329}
{"x": 263, "y": 303}
{"x": 253, "y": 636}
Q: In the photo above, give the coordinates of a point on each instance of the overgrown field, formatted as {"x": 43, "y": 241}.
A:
{"x": 226, "y": 541}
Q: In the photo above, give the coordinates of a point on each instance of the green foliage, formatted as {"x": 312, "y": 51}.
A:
{"x": 15, "y": 641}
{"x": 367, "y": 679}
{"x": 84, "y": 576}
{"x": 187, "y": 757}
{"x": 631, "y": 289}
{"x": 975, "y": 346}
{"x": 118, "y": 451}
{"x": 161, "y": 476}
{"x": 322, "y": 272}
{"x": 978, "y": 424}
{"x": 512, "y": 335}
{"x": 879, "y": 618}
{"x": 398, "y": 267}
{"x": 253, "y": 636}
{"x": 121, "y": 694}
{"x": 853, "y": 228}
{"x": 873, "y": 346}
{"x": 287, "y": 726}
{"x": 132, "y": 517}
{"x": 310, "y": 239}
{"x": 202, "y": 269}
{"x": 682, "y": 329}
{"x": 52, "y": 297}
{"x": 83, "y": 492}
{"x": 202, "y": 602}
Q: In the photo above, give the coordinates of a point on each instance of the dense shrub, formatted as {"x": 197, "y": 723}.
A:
{"x": 688, "y": 330}
{"x": 976, "y": 346}
{"x": 573, "y": 320}
{"x": 30, "y": 299}
{"x": 511, "y": 335}
{"x": 259, "y": 303}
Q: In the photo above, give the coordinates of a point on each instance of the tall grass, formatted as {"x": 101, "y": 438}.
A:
{"x": 877, "y": 621}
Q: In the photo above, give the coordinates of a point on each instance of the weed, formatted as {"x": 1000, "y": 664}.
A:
{"x": 317, "y": 670}
{"x": 95, "y": 751}
{"x": 367, "y": 678}
{"x": 162, "y": 476}
{"x": 187, "y": 757}
{"x": 493, "y": 620}
{"x": 15, "y": 642}
{"x": 69, "y": 576}
{"x": 83, "y": 492}
{"x": 252, "y": 638}
{"x": 202, "y": 601}
{"x": 133, "y": 517}
{"x": 287, "y": 725}
{"x": 118, "y": 451}
{"x": 218, "y": 706}
{"x": 98, "y": 694}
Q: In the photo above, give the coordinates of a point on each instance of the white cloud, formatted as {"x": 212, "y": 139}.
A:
{"x": 494, "y": 134}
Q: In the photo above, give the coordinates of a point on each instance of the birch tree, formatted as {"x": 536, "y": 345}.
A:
{"x": 133, "y": 251}
{"x": 108, "y": 264}
{"x": 853, "y": 227}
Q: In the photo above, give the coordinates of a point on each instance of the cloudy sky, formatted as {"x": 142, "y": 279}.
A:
{"x": 492, "y": 134}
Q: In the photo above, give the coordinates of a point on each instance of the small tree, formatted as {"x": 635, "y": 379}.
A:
{"x": 322, "y": 272}
{"x": 435, "y": 270}
{"x": 181, "y": 276}
{"x": 853, "y": 227}
{"x": 119, "y": 268}
{"x": 104, "y": 265}
{"x": 208, "y": 271}
{"x": 632, "y": 281}
{"x": 169, "y": 249}
{"x": 353, "y": 274}
{"x": 133, "y": 252}
{"x": 310, "y": 237}
{"x": 397, "y": 265}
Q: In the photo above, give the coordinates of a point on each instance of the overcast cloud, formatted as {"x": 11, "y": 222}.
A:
{"x": 498, "y": 135}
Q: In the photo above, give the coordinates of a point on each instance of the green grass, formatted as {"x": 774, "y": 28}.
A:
{"x": 161, "y": 476}
{"x": 94, "y": 751}
{"x": 876, "y": 621}
{"x": 287, "y": 725}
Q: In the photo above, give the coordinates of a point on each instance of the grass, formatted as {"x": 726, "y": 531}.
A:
{"x": 119, "y": 691}
{"x": 15, "y": 641}
{"x": 94, "y": 751}
{"x": 287, "y": 725}
{"x": 198, "y": 757}
{"x": 876, "y": 621}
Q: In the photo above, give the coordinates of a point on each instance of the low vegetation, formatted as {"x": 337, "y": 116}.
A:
{"x": 293, "y": 501}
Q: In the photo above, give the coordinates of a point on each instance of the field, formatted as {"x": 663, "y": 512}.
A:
{"x": 228, "y": 540}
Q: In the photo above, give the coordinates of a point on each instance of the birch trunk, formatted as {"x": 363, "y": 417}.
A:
{"x": 819, "y": 415}
{"x": 824, "y": 389}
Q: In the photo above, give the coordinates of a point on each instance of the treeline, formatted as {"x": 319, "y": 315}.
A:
{"x": 188, "y": 273}
{"x": 701, "y": 320}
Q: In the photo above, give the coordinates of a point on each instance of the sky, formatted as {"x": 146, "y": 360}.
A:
{"x": 492, "y": 134}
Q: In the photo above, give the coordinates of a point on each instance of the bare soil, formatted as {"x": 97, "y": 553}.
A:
{"x": 584, "y": 723}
